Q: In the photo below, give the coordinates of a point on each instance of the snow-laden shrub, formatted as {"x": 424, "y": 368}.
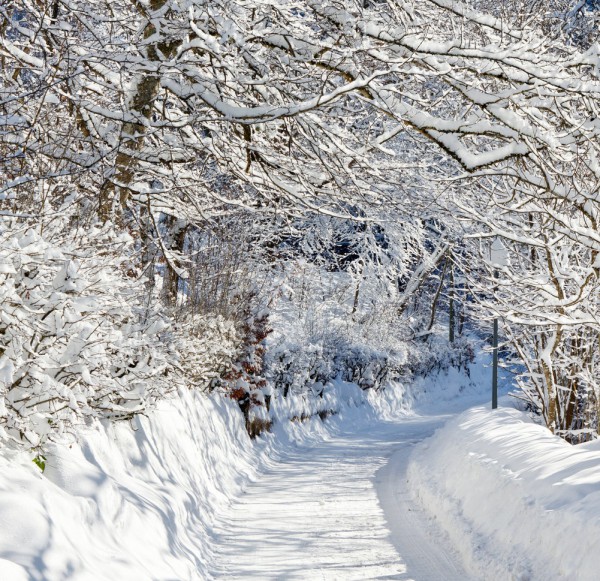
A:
{"x": 320, "y": 336}
{"x": 206, "y": 346}
{"x": 77, "y": 341}
{"x": 292, "y": 365}
{"x": 244, "y": 381}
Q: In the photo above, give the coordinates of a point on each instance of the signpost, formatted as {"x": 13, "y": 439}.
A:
{"x": 499, "y": 259}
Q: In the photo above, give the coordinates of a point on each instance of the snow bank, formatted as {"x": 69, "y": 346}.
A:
{"x": 139, "y": 500}
{"x": 132, "y": 501}
{"x": 518, "y": 502}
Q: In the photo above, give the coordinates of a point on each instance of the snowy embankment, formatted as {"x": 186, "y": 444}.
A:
{"x": 518, "y": 502}
{"x": 131, "y": 501}
{"x": 140, "y": 500}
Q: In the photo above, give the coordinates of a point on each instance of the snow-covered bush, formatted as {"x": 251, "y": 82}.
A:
{"x": 293, "y": 366}
{"x": 76, "y": 340}
{"x": 206, "y": 346}
{"x": 321, "y": 335}
{"x": 244, "y": 381}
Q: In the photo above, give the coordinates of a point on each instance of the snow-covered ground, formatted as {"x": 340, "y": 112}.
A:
{"x": 518, "y": 502}
{"x": 340, "y": 507}
{"x": 334, "y": 510}
{"x": 184, "y": 495}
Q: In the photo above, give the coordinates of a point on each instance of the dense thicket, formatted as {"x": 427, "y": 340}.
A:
{"x": 183, "y": 159}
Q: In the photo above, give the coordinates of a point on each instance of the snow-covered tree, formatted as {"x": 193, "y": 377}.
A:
{"x": 77, "y": 341}
{"x": 156, "y": 114}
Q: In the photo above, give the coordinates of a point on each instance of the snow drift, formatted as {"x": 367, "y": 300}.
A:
{"x": 139, "y": 499}
{"x": 131, "y": 501}
{"x": 518, "y": 502}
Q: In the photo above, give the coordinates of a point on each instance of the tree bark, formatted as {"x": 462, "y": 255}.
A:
{"x": 133, "y": 133}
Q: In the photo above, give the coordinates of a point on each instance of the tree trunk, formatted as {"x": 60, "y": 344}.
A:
{"x": 451, "y": 317}
{"x": 133, "y": 133}
{"x": 176, "y": 240}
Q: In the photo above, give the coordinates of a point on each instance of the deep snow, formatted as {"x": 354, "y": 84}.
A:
{"x": 183, "y": 494}
{"x": 518, "y": 502}
{"x": 131, "y": 502}
{"x": 158, "y": 498}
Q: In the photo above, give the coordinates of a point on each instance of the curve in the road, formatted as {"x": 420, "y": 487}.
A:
{"x": 339, "y": 509}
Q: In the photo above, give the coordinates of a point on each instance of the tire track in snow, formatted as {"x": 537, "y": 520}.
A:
{"x": 413, "y": 534}
{"x": 337, "y": 510}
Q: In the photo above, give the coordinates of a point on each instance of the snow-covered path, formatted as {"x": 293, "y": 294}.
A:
{"x": 339, "y": 509}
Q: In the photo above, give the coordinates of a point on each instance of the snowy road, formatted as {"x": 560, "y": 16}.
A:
{"x": 339, "y": 509}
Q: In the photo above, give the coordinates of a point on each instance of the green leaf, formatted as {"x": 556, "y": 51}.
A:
{"x": 40, "y": 462}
